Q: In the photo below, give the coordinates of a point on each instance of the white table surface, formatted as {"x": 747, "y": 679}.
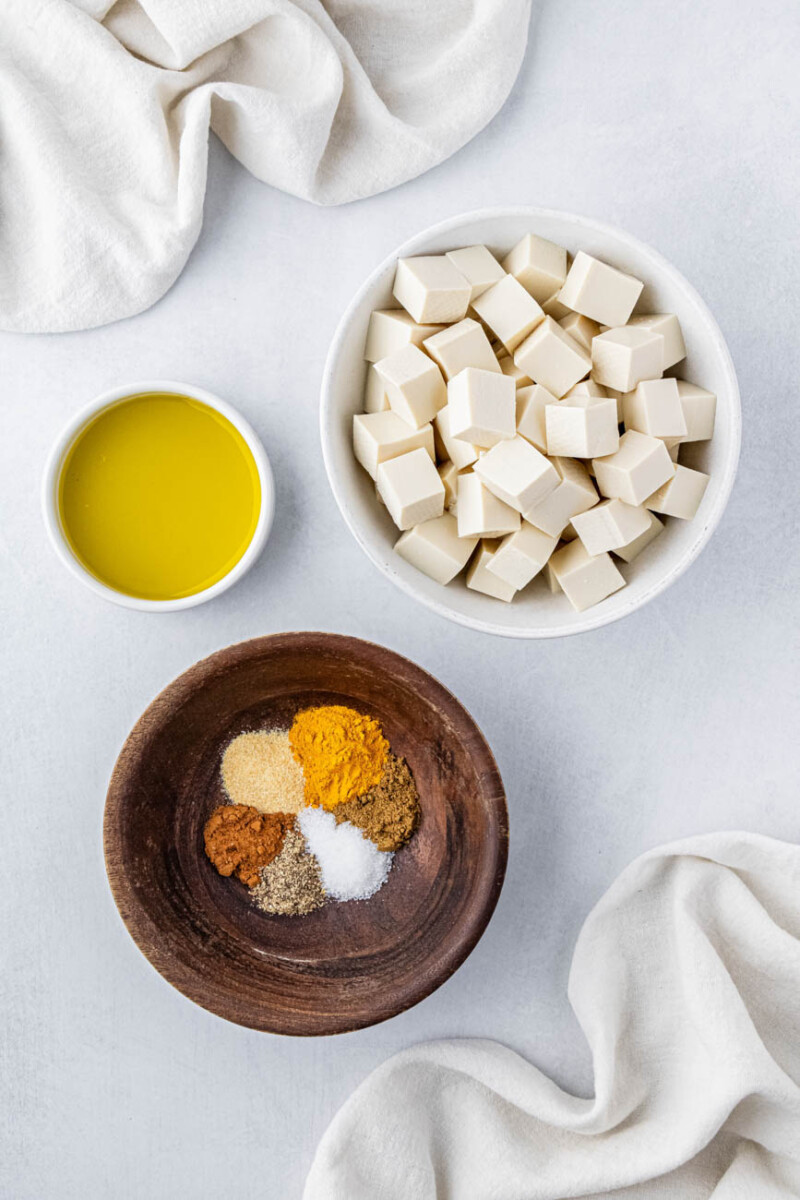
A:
{"x": 677, "y": 121}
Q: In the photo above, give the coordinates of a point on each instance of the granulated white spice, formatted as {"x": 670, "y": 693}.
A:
{"x": 352, "y": 866}
{"x": 259, "y": 769}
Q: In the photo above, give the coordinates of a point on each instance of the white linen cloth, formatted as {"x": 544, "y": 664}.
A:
{"x": 105, "y": 110}
{"x": 686, "y": 982}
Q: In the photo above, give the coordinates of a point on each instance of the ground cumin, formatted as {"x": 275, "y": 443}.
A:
{"x": 240, "y": 840}
{"x": 342, "y": 753}
{"x": 388, "y": 813}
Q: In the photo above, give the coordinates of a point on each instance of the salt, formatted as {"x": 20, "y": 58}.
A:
{"x": 353, "y": 868}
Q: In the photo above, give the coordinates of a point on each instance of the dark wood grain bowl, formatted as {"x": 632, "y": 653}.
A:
{"x": 345, "y": 966}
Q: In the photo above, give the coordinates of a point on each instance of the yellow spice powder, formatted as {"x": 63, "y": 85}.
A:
{"x": 341, "y": 752}
{"x": 260, "y": 770}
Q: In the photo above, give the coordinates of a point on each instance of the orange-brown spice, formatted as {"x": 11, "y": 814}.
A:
{"x": 240, "y": 840}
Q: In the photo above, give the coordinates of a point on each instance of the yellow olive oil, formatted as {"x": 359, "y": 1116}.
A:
{"x": 159, "y": 496}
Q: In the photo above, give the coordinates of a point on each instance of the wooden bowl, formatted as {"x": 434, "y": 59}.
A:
{"x": 345, "y": 966}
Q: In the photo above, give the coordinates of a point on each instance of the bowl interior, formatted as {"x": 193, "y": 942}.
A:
{"x": 536, "y": 612}
{"x": 346, "y": 965}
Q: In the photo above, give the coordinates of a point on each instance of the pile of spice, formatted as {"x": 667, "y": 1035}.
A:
{"x": 317, "y": 811}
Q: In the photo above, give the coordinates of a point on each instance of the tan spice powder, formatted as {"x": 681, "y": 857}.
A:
{"x": 291, "y": 886}
{"x": 388, "y": 813}
{"x": 260, "y": 770}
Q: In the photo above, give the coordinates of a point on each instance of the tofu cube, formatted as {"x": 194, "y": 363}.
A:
{"x": 531, "y": 404}
{"x": 669, "y": 327}
{"x": 510, "y": 368}
{"x": 680, "y": 496}
{"x": 480, "y": 578}
{"x": 411, "y": 489}
{"x": 413, "y": 384}
{"x": 585, "y": 579}
{"x": 550, "y": 577}
{"x": 478, "y": 266}
{"x": 623, "y": 357}
{"x": 392, "y": 328}
{"x": 610, "y": 525}
{"x": 618, "y": 396}
{"x": 699, "y": 411}
{"x": 640, "y": 466}
{"x": 448, "y": 473}
{"x": 540, "y": 266}
{"x": 588, "y": 387}
{"x": 377, "y": 437}
{"x": 430, "y": 289}
{"x": 555, "y": 309}
{"x": 461, "y": 453}
{"x": 435, "y": 548}
{"x": 634, "y": 549}
{"x": 461, "y": 345}
{"x": 594, "y": 289}
{"x": 654, "y": 407}
{"x": 574, "y": 494}
{"x": 552, "y": 358}
{"x": 581, "y": 329}
{"x": 375, "y": 397}
{"x": 479, "y": 513}
{"x": 517, "y": 473}
{"x": 582, "y": 427}
{"x": 483, "y": 407}
{"x": 509, "y": 311}
{"x": 521, "y": 555}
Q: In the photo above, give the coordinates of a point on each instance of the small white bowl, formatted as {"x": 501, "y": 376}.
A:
{"x": 536, "y": 613}
{"x": 52, "y": 474}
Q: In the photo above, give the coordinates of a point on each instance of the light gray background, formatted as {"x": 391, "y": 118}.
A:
{"x": 677, "y": 121}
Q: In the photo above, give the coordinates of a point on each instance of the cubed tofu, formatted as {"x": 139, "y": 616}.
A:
{"x": 610, "y": 525}
{"x": 531, "y": 404}
{"x": 392, "y": 328}
{"x": 517, "y": 473}
{"x": 435, "y": 548}
{"x": 549, "y": 576}
{"x": 478, "y": 266}
{"x": 377, "y": 437}
{"x": 509, "y": 311}
{"x": 574, "y": 493}
{"x": 540, "y": 266}
{"x": 552, "y": 358}
{"x": 669, "y": 328}
{"x": 481, "y": 514}
{"x": 448, "y": 473}
{"x": 585, "y": 579}
{"x": 680, "y": 496}
{"x": 699, "y": 411}
{"x": 482, "y": 407}
{"x": 582, "y": 427}
{"x": 654, "y": 407}
{"x": 480, "y": 578}
{"x": 461, "y": 345}
{"x": 375, "y": 397}
{"x": 587, "y": 387}
{"x": 431, "y": 289}
{"x": 460, "y": 452}
{"x": 640, "y": 466}
{"x": 581, "y": 329}
{"x": 599, "y": 291}
{"x": 623, "y": 357}
{"x": 634, "y": 549}
{"x": 521, "y": 556}
{"x": 411, "y": 489}
{"x": 552, "y": 307}
{"x": 414, "y": 385}
{"x": 510, "y": 368}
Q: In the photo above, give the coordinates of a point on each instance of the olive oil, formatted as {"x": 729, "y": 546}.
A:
{"x": 159, "y": 496}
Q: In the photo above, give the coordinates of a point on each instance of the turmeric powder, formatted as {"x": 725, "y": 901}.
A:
{"x": 342, "y": 753}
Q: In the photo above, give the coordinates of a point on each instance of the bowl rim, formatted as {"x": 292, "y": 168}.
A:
{"x": 155, "y": 944}
{"x": 726, "y": 475}
{"x": 64, "y": 442}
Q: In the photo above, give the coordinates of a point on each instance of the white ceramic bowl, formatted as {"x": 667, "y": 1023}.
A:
{"x": 52, "y": 475}
{"x": 535, "y": 613}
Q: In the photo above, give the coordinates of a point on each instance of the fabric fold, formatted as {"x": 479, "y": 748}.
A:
{"x": 686, "y": 982}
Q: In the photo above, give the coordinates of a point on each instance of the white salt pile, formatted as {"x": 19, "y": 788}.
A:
{"x": 352, "y": 866}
